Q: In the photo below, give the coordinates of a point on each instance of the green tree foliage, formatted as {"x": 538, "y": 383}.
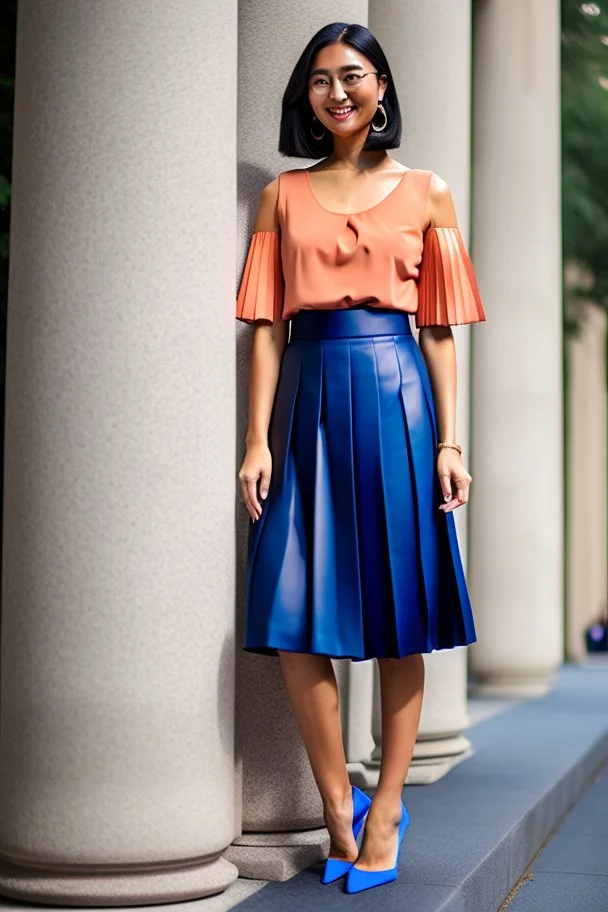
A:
{"x": 585, "y": 150}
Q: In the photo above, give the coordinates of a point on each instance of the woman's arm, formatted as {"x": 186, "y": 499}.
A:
{"x": 439, "y": 352}
{"x": 269, "y": 341}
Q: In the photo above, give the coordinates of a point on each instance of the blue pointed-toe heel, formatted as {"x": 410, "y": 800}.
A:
{"x": 335, "y": 868}
{"x": 359, "y": 880}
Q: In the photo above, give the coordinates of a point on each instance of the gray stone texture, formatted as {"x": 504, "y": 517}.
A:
{"x": 516, "y": 509}
{"x": 278, "y": 790}
{"x": 117, "y": 652}
{"x": 278, "y": 862}
{"x": 561, "y": 893}
{"x": 571, "y": 872}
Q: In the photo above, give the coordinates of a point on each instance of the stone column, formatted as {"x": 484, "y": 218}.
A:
{"x": 588, "y": 458}
{"x": 117, "y": 650}
{"x": 282, "y": 819}
{"x": 357, "y": 693}
{"x": 517, "y": 525}
{"x": 428, "y": 46}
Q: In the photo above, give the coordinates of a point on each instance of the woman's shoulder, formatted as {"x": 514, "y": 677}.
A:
{"x": 271, "y": 208}
{"x": 439, "y": 201}
{"x": 437, "y": 185}
{"x": 274, "y": 185}
{"x": 267, "y": 216}
{"x": 271, "y": 191}
{"x": 423, "y": 175}
{"x": 270, "y": 201}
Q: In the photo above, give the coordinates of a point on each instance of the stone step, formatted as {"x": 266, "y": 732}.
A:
{"x": 571, "y": 870}
{"x": 475, "y": 832}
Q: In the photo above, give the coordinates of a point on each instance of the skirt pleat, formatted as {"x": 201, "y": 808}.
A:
{"x": 421, "y": 437}
{"x": 351, "y": 556}
{"x": 401, "y": 509}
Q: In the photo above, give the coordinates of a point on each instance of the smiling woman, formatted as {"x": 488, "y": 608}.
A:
{"x": 352, "y": 473}
{"x": 349, "y": 78}
{"x": 342, "y": 94}
{"x": 359, "y": 71}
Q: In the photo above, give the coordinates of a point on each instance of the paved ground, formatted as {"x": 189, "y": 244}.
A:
{"x": 571, "y": 873}
{"x": 474, "y": 832}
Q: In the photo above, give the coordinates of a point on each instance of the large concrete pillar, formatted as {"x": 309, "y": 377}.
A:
{"x": 117, "y": 652}
{"x": 517, "y": 525}
{"x": 428, "y": 46}
{"x": 357, "y": 693}
{"x": 282, "y": 816}
{"x": 587, "y": 461}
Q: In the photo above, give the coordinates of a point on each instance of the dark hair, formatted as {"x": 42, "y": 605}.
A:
{"x": 295, "y": 138}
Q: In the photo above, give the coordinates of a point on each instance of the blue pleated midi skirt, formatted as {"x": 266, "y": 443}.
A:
{"x": 352, "y": 557}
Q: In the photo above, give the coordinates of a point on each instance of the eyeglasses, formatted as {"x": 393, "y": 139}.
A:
{"x": 350, "y": 82}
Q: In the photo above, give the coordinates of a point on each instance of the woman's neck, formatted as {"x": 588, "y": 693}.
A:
{"x": 348, "y": 155}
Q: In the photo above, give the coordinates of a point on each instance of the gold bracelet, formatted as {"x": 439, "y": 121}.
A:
{"x": 448, "y": 444}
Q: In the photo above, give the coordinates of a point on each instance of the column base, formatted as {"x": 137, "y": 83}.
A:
{"x": 432, "y": 760}
{"x": 277, "y": 856}
{"x": 103, "y": 887}
{"x": 514, "y": 686}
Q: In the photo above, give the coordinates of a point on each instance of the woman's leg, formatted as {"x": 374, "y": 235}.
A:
{"x": 313, "y": 691}
{"x": 401, "y": 687}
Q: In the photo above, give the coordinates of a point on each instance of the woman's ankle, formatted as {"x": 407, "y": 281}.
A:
{"x": 386, "y": 803}
{"x": 337, "y": 797}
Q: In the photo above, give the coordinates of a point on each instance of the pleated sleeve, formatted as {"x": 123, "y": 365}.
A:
{"x": 447, "y": 287}
{"x": 261, "y": 291}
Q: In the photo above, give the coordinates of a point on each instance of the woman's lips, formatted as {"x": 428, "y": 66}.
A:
{"x": 341, "y": 115}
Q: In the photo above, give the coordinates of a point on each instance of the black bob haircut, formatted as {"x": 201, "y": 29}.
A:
{"x": 295, "y": 138}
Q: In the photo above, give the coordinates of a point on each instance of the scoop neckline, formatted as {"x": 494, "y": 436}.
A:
{"x": 360, "y": 211}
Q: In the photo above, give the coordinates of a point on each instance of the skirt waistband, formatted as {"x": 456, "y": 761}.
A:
{"x": 349, "y": 322}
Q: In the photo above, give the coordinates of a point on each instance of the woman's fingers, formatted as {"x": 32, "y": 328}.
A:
{"x": 264, "y": 483}
{"x": 461, "y": 496}
{"x": 252, "y": 498}
{"x": 248, "y": 490}
{"x": 454, "y": 481}
{"x": 446, "y": 485}
{"x": 256, "y": 467}
{"x": 462, "y": 486}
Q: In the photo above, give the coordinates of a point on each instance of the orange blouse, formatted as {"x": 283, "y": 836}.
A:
{"x": 382, "y": 256}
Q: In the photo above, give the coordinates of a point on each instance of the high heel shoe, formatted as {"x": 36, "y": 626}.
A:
{"x": 359, "y": 880}
{"x": 335, "y": 868}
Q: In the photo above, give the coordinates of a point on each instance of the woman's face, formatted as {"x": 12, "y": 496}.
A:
{"x": 343, "y": 103}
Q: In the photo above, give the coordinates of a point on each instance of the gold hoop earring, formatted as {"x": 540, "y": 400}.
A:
{"x": 318, "y": 138}
{"x": 384, "y": 125}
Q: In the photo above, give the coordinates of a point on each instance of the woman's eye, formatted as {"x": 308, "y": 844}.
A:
{"x": 352, "y": 78}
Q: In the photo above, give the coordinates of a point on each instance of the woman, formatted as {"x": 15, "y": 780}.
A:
{"x": 352, "y": 472}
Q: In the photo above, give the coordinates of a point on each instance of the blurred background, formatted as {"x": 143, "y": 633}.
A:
{"x": 585, "y": 251}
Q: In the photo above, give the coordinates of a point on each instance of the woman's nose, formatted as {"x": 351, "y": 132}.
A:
{"x": 336, "y": 92}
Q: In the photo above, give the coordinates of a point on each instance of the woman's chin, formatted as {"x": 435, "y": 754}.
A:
{"x": 346, "y": 129}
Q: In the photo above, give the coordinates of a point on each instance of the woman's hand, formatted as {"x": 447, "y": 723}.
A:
{"x": 257, "y": 465}
{"x": 454, "y": 479}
